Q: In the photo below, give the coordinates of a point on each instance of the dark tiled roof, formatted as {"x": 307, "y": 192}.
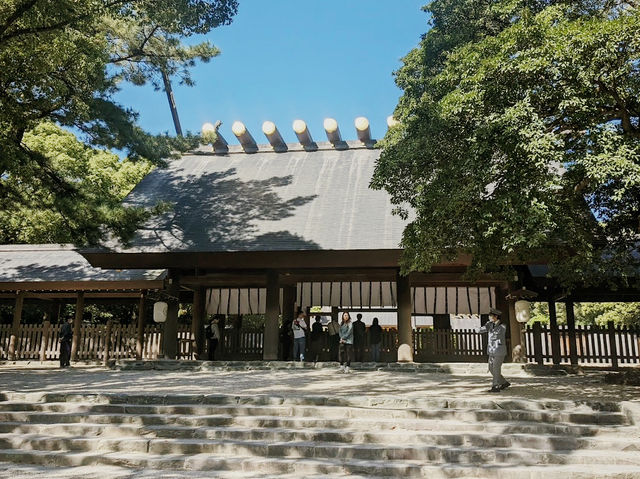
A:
{"x": 265, "y": 201}
{"x": 48, "y": 262}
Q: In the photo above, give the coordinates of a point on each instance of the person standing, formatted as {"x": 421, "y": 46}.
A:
{"x": 66, "y": 336}
{"x": 299, "y": 327}
{"x": 212, "y": 332}
{"x": 375, "y": 340}
{"x": 496, "y": 349}
{"x": 359, "y": 336}
{"x": 316, "y": 339}
{"x": 346, "y": 342}
{"x": 333, "y": 329}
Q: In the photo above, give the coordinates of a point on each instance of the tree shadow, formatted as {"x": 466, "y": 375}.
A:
{"x": 217, "y": 211}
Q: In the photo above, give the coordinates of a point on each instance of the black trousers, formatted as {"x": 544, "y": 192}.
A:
{"x": 334, "y": 342}
{"x": 65, "y": 353}
{"x": 358, "y": 352}
{"x": 211, "y": 348}
{"x": 346, "y": 353}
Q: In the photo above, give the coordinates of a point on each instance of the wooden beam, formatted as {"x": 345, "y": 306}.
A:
{"x": 170, "y": 333}
{"x": 199, "y": 315}
{"x": 15, "y": 328}
{"x": 405, "y": 333}
{"x": 73, "y": 295}
{"x": 555, "y": 333}
{"x": 77, "y": 324}
{"x": 81, "y": 285}
{"x": 140, "y": 330}
{"x": 571, "y": 326}
{"x": 272, "y": 313}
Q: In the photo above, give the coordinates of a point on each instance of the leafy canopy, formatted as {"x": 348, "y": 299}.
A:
{"x": 518, "y": 137}
{"x": 61, "y": 61}
{"x": 100, "y": 178}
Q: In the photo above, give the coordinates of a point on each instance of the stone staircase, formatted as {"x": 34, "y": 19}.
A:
{"x": 266, "y": 436}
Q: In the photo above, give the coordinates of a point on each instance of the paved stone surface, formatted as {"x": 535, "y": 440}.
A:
{"x": 391, "y": 385}
{"x": 321, "y": 381}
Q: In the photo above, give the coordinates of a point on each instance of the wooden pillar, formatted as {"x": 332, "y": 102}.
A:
{"x": 170, "y": 331}
{"x": 77, "y": 323}
{"x": 571, "y": 325}
{"x": 15, "y": 329}
{"x": 613, "y": 347}
{"x": 405, "y": 333}
{"x": 537, "y": 343}
{"x": 271, "y": 330}
{"x": 54, "y": 312}
{"x": 288, "y": 313}
{"x": 514, "y": 331}
{"x": 197, "y": 326}
{"x": 140, "y": 330}
{"x": 555, "y": 334}
{"x": 44, "y": 342}
{"x": 107, "y": 341}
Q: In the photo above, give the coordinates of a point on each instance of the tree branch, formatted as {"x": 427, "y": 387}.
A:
{"x": 21, "y": 10}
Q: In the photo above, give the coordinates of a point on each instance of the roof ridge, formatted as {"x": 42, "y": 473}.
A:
{"x": 291, "y": 148}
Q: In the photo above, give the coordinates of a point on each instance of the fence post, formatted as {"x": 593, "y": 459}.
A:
{"x": 571, "y": 325}
{"x": 555, "y": 333}
{"x": 107, "y": 342}
{"x": 537, "y": 343}
{"x": 46, "y": 328}
{"x": 613, "y": 348}
{"x": 15, "y": 329}
{"x": 140, "y": 329}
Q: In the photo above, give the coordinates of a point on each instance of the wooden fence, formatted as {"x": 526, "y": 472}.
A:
{"x": 41, "y": 341}
{"x": 609, "y": 345}
{"x": 592, "y": 345}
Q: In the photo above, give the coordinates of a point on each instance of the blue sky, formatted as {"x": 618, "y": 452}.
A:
{"x": 288, "y": 59}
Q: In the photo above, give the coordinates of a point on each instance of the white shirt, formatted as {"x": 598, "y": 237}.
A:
{"x": 298, "y": 331}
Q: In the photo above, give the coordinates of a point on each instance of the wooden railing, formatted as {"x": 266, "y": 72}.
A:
{"x": 41, "y": 341}
{"x": 593, "y": 345}
{"x": 611, "y": 345}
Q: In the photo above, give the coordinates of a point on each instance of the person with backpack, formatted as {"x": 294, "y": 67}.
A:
{"x": 316, "y": 339}
{"x": 66, "y": 336}
{"x": 333, "y": 329}
{"x": 299, "y": 327}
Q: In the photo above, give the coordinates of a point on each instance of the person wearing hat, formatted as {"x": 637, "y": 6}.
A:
{"x": 496, "y": 349}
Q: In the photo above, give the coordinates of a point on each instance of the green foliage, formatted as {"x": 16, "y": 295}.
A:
{"x": 519, "y": 138}
{"x": 590, "y": 313}
{"x": 601, "y": 313}
{"x": 61, "y": 61}
{"x": 101, "y": 181}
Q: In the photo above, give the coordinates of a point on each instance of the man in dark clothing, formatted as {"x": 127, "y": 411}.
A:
{"x": 359, "y": 334}
{"x": 66, "y": 336}
{"x": 316, "y": 339}
{"x": 212, "y": 332}
{"x": 375, "y": 340}
{"x": 333, "y": 329}
{"x": 286, "y": 339}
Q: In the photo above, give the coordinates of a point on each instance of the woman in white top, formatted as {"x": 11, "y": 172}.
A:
{"x": 299, "y": 327}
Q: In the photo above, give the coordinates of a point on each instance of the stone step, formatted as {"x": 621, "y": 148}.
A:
{"x": 390, "y": 402}
{"x": 336, "y": 412}
{"x": 186, "y": 467}
{"x": 469, "y": 454}
{"x": 301, "y": 409}
{"x": 406, "y": 429}
{"x": 29, "y": 471}
{"x": 440, "y": 435}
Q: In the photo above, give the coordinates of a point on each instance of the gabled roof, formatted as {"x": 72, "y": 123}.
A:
{"x": 51, "y": 263}
{"x": 267, "y": 201}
